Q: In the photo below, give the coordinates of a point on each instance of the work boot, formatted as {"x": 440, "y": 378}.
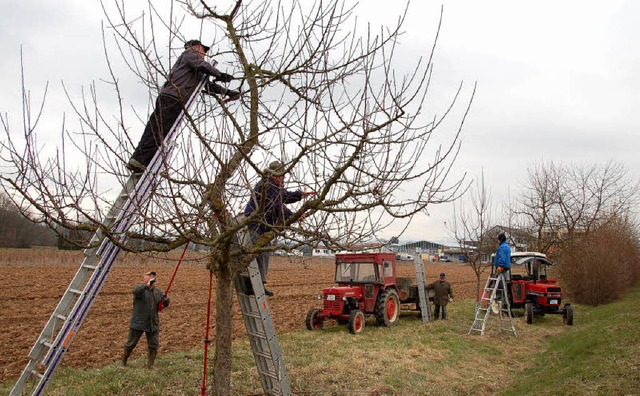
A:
{"x": 246, "y": 286}
{"x": 125, "y": 356}
{"x": 267, "y": 292}
{"x": 151, "y": 357}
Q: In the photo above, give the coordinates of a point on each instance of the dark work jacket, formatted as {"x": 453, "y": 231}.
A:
{"x": 442, "y": 292}
{"x": 185, "y": 75}
{"x": 270, "y": 199}
{"x": 144, "y": 316}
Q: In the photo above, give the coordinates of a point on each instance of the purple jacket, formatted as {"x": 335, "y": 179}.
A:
{"x": 269, "y": 199}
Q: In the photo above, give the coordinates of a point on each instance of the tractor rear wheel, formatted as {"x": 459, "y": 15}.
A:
{"x": 356, "y": 321}
{"x": 567, "y": 315}
{"x": 314, "y": 321}
{"x": 387, "y": 308}
{"x": 528, "y": 311}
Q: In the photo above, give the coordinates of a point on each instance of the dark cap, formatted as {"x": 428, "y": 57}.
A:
{"x": 275, "y": 168}
{"x": 442, "y": 275}
{"x": 502, "y": 237}
{"x": 191, "y": 43}
{"x": 151, "y": 273}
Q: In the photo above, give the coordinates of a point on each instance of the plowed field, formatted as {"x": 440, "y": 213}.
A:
{"x": 33, "y": 281}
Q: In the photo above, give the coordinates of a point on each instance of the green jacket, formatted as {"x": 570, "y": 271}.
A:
{"x": 144, "y": 316}
{"x": 442, "y": 292}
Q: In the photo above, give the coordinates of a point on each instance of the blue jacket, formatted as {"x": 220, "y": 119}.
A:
{"x": 503, "y": 256}
{"x": 269, "y": 199}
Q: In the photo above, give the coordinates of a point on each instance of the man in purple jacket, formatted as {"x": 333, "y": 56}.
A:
{"x": 268, "y": 200}
{"x": 184, "y": 77}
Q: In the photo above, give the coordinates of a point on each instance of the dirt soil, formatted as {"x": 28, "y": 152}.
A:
{"x": 33, "y": 281}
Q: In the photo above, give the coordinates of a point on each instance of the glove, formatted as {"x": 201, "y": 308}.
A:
{"x": 162, "y": 304}
{"x": 232, "y": 95}
{"x": 224, "y": 77}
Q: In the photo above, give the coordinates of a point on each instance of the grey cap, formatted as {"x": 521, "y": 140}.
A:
{"x": 275, "y": 168}
{"x": 191, "y": 43}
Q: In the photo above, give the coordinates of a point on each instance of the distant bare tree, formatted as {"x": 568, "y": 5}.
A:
{"x": 470, "y": 226}
{"x": 319, "y": 95}
{"x": 561, "y": 202}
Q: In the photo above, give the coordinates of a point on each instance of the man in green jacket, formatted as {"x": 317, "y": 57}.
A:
{"x": 144, "y": 317}
{"x": 442, "y": 295}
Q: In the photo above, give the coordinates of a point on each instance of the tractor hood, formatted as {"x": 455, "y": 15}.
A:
{"x": 545, "y": 289}
{"x": 343, "y": 292}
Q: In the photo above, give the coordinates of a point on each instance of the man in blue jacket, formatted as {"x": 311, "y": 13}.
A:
{"x": 267, "y": 202}
{"x": 184, "y": 77}
{"x": 502, "y": 260}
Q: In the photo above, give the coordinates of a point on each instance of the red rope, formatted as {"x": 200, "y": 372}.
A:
{"x": 176, "y": 270}
{"x": 203, "y": 391}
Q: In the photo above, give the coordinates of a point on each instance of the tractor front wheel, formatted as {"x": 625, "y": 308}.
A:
{"x": 387, "y": 308}
{"x": 356, "y": 321}
{"x": 314, "y": 321}
{"x": 528, "y": 311}
{"x": 567, "y": 315}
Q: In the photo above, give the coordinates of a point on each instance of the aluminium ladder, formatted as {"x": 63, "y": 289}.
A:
{"x": 425, "y": 308}
{"x": 494, "y": 299}
{"x": 65, "y": 321}
{"x": 260, "y": 328}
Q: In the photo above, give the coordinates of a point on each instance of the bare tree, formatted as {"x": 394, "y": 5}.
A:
{"x": 561, "y": 202}
{"x": 323, "y": 97}
{"x": 470, "y": 226}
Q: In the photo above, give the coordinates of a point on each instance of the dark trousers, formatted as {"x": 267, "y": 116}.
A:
{"x": 153, "y": 339}
{"x": 262, "y": 258}
{"x": 436, "y": 311}
{"x": 165, "y": 114}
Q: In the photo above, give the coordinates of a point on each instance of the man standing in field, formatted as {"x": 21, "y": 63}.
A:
{"x": 144, "y": 318}
{"x": 443, "y": 295}
{"x": 267, "y": 206}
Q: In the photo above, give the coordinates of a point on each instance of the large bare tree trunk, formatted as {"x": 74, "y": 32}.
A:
{"x": 222, "y": 358}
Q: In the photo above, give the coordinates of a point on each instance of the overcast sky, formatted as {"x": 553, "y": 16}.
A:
{"x": 557, "y": 80}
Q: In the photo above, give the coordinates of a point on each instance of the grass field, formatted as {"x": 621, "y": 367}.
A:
{"x": 599, "y": 355}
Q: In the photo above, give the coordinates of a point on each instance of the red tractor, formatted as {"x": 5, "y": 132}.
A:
{"x": 367, "y": 285}
{"x": 532, "y": 289}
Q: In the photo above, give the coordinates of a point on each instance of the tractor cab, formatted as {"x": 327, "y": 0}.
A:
{"x": 534, "y": 267}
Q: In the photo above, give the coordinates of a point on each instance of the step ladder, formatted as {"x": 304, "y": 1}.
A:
{"x": 67, "y": 318}
{"x": 260, "y": 328}
{"x": 494, "y": 300}
{"x": 425, "y": 308}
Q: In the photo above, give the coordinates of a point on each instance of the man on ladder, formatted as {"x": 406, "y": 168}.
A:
{"x": 184, "y": 77}
{"x": 495, "y": 296}
{"x": 502, "y": 260}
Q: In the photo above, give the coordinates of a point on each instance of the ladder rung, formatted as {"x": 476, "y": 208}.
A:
{"x": 257, "y": 335}
{"x": 269, "y": 374}
{"x": 61, "y": 317}
{"x": 253, "y": 314}
{"x": 90, "y": 267}
{"x": 264, "y": 355}
{"x": 76, "y": 291}
{"x": 37, "y": 374}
